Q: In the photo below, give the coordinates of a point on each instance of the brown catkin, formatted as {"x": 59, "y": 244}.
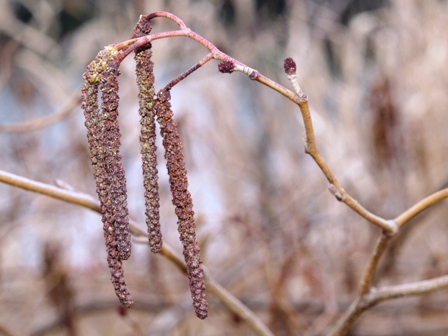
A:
{"x": 145, "y": 81}
{"x": 114, "y": 167}
{"x": 104, "y": 183}
{"x": 182, "y": 201}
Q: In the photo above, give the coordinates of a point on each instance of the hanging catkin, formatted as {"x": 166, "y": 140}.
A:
{"x": 103, "y": 138}
{"x": 182, "y": 201}
{"x": 145, "y": 81}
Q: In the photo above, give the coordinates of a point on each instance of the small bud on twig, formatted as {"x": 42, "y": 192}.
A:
{"x": 226, "y": 67}
{"x": 291, "y": 70}
{"x": 335, "y": 192}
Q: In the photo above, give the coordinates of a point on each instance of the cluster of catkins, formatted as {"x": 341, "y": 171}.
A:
{"x": 103, "y": 135}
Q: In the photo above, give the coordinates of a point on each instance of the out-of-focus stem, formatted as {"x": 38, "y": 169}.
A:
{"x": 311, "y": 149}
{"x": 421, "y": 206}
{"x": 69, "y": 196}
{"x": 369, "y": 273}
{"x": 375, "y": 296}
{"x": 405, "y": 290}
{"x": 230, "y": 301}
{"x": 68, "y": 107}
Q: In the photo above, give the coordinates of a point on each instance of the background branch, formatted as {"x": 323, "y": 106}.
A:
{"x": 230, "y": 301}
{"x": 69, "y": 106}
{"x": 421, "y": 206}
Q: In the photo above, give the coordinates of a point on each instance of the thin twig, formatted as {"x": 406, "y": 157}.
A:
{"x": 421, "y": 206}
{"x": 358, "y": 305}
{"x": 335, "y": 187}
{"x": 230, "y": 301}
{"x": 213, "y": 287}
{"x": 72, "y": 102}
{"x": 369, "y": 273}
{"x": 185, "y": 74}
{"x": 299, "y": 98}
{"x": 410, "y": 289}
{"x": 168, "y": 16}
{"x": 346, "y": 321}
{"x": 377, "y": 295}
{"x": 237, "y": 307}
{"x": 69, "y": 196}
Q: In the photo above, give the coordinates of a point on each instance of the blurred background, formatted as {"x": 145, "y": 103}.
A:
{"x": 270, "y": 232}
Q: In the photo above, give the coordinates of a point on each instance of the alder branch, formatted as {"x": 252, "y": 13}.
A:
{"x": 405, "y": 290}
{"x": 227, "y": 298}
{"x": 377, "y": 295}
{"x": 185, "y": 74}
{"x": 68, "y": 196}
{"x": 421, "y": 206}
{"x": 311, "y": 149}
{"x": 369, "y": 273}
{"x": 129, "y": 46}
{"x": 72, "y": 102}
{"x": 87, "y": 201}
{"x": 369, "y": 296}
{"x": 357, "y": 307}
{"x": 299, "y": 98}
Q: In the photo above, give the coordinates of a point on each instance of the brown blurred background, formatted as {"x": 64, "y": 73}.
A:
{"x": 376, "y": 75}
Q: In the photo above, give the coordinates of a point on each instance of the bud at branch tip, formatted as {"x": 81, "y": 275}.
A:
{"x": 290, "y": 66}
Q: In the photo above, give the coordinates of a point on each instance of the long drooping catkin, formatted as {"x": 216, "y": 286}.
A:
{"x": 114, "y": 167}
{"x": 145, "y": 81}
{"x": 182, "y": 200}
{"x": 103, "y": 167}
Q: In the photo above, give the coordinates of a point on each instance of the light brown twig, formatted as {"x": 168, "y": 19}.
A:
{"x": 68, "y": 107}
{"x": 369, "y": 273}
{"x": 421, "y": 206}
{"x": 230, "y": 301}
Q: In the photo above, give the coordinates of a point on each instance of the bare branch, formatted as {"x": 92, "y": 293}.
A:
{"x": 335, "y": 187}
{"x": 348, "y": 319}
{"x": 369, "y": 273}
{"x": 166, "y": 15}
{"x": 69, "y": 196}
{"x": 32, "y": 125}
{"x": 227, "y": 298}
{"x": 410, "y": 289}
{"x": 421, "y": 206}
{"x": 185, "y": 74}
{"x": 230, "y": 301}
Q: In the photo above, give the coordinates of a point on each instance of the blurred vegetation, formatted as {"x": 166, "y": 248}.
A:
{"x": 270, "y": 232}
